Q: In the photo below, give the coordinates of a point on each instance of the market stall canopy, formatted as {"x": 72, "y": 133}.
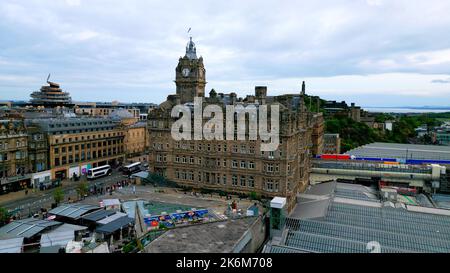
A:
{"x": 111, "y": 202}
{"x": 67, "y": 227}
{"x": 73, "y": 211}
{"x": 60, "y": 238}
{"x": 142, "y": 175}
{"x": 115, "y": 225}
{"x": 97, "y": 215}
{"x": 26, "y": 228}
{"x": 111, "y": 218}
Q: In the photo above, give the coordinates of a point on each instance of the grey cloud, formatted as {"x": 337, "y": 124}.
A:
{"x": 134, "y": 45}
{"x": 441, "y": 81}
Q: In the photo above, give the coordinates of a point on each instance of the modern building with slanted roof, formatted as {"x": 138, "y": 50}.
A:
{"x": 51, "y": 96}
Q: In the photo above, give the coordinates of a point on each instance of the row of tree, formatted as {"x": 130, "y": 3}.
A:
{"x": 58, "y": 196}
{"x": 354, "y": 134}
{"x": 82, "y": 189}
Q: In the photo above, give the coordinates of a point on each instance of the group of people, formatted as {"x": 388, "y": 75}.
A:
{"x": 97, "y": 191}
{"x": 119, "y": 185}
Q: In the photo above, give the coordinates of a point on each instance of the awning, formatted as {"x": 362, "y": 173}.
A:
{"x": 111, "y": 218}
{"x": 73, "y": 211}
{"x": 67, "y": 227}
{"x": 60, "y": 238}
{"x": 26, "y": 228}
{"x": 115, "y": 225}
{"x": 142, "y": 174}
{"x": 11, "y": 245}
{"x": 98, "y": 215}
{"x": 111, "y": 202}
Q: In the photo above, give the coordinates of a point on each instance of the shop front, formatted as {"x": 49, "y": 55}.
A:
{"x": 40, "y": 177}
{"x": 15, "y": 183}
{"x": 74, "y": 172}
{"x": 60, "y": 173}
{"x": 85, "y": 168}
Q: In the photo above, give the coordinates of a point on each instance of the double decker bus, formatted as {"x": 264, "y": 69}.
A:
{"x": 99, "y": 172}
{"x": 132, "y": 168}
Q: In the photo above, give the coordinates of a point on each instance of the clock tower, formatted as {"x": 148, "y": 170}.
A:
{"x": 190, "y": 75}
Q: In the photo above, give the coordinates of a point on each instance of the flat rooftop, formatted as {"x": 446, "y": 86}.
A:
{"x": 402, "y": 151}
{"x": 214, "y": 237}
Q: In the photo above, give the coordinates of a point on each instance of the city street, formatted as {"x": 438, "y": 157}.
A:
{"x": 30, "y": 204}
{"x": 33, "y": 202}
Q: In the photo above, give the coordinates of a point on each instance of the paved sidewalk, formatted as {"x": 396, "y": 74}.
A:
{"x": 19, "y": 195}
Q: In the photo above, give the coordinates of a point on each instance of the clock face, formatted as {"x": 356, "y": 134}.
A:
{"x": 185, "y": 72}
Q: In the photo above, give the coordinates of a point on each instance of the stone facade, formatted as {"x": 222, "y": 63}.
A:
{"x": 13, "y": 156}
{"x": 332, "y": 144}
{"x": 78, "y": 144}
{"x": 136, "y": 142}
{"x": 190, "y": 75}
{"x": 231, "y": 165}
{"x": 103, "y": 112}
{"x": 317, "y": 134}
{"x": 37, "y": 149}
{"x": 333, "y": 108}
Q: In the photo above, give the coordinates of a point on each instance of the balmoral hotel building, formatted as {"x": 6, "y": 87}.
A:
{"x": 234, "y": 166}
{"x": 78, "y": 144}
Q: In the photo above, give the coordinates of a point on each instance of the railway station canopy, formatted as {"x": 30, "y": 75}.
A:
{"x": 346, "y": 218}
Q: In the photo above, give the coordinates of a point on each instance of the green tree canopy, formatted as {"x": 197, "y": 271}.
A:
{"x": 354, "y": 134}
{"x": 58, "y": 195}
{"x": 4, "y": 216}
{"x": 82, "y": 189}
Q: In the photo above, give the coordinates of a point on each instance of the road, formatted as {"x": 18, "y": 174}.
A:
{"x": 43, "y": 199}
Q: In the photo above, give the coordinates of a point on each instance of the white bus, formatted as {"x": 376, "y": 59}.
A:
{"x": 99, "y": 172}
{"x": 132, "y": 168}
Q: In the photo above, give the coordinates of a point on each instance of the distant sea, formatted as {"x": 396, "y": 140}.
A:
{"x": 406, "y": 109}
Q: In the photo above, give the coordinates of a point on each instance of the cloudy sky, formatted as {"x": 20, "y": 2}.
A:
{"x": 372, "y": 52}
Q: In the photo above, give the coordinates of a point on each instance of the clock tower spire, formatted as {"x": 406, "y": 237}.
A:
{"x": 190, "y": 75}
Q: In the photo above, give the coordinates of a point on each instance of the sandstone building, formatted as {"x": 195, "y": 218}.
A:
{"x": 231, "y": 165}
{"x": 332, "y": 144}
{"x": 13, "y": 156}
{"x": 78, "y": 144}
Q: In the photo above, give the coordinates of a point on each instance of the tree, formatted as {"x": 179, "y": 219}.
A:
{"x": 254, "y": 196}
{"x": 4, "y": 216}
{"x": 352, "y": 133}
{"x": 82, "y": 189}
{"x": 382, "y": 117}
{"x": 58, "y": 195}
